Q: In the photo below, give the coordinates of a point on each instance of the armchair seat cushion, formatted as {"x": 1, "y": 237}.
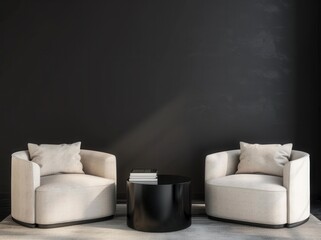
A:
{"x": 253, "y": 198}
{"x": 73, "y": 197}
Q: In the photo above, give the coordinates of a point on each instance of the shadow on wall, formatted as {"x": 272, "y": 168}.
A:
{"x": 162, "y": 141}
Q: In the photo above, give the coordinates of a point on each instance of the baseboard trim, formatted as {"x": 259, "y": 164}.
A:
{"x": 46, "y": 226}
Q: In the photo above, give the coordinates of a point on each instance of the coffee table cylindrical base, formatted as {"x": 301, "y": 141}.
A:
{"x": 159, "y": 208}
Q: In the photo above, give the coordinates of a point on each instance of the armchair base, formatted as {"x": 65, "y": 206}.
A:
{"x": 291, "y": 225}
{"x": 274, "y": 226}
{"x": 62, "y": 224}
{"x": 29, "y": 225}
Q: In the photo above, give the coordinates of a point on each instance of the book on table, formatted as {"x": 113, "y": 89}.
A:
{"x": 154, "y": 182}
{"x": 145, "y": 176}
{"x": 143, "y": 173}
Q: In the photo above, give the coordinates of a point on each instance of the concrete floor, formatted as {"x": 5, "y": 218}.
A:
{"x": 202, "y": 228}
{"x": 5, "y": 207}
{"x": 316, "y": 208}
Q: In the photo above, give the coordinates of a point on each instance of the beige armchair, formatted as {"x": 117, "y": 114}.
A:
{"x": 257, "y": 199}
{"x": 63, "y": 199}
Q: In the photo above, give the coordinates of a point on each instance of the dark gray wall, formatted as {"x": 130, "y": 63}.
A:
{"x": 160, "y": 84}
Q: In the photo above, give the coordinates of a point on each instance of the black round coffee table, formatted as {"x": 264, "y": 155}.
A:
{"x": 159, "y": 208}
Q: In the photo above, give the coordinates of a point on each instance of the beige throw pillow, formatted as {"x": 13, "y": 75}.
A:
{"x": 263, "y": 158}
{"x": 52, "y": 159}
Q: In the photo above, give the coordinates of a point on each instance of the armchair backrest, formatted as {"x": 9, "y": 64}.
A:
{"x": 22, "y": 155}
{"x": 221, "y": 164}
{"x": 295, "y": 154}
{"x": 296, "y": 179}
{"x": 99, "y": 164}
{"x": 25, "y": 178}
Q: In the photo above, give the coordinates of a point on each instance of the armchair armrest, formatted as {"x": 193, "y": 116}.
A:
{"x": 296, "y": 179}
{"x": 221, "y": 164}
{"x": 25, "y": 178}
{"x": 99, "y": 164}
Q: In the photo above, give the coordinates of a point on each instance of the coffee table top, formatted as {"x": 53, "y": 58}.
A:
{"x": 172, "y": 179}
{"x": 169, "y": 180}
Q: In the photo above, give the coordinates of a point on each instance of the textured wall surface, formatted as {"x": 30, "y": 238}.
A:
{"x": 160, "y": 84}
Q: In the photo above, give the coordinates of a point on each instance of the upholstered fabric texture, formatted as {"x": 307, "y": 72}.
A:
{"x": 247, "y": 197}
{"x": 53, "y": 159}
{"x": 74, "y": 197}
{"x": 25, "y": 178}
{"x": 263, "y": 158}
{"x": 257, "y": 198}
{"x": 296, "y": 179}
{"x": 63, "y": 198}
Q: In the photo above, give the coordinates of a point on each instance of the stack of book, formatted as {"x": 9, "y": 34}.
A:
{"x": 144, "y": 176}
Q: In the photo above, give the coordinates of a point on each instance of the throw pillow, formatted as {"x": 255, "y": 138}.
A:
{"x": 263, "y": 158}
{"x": 53, "y": 159}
